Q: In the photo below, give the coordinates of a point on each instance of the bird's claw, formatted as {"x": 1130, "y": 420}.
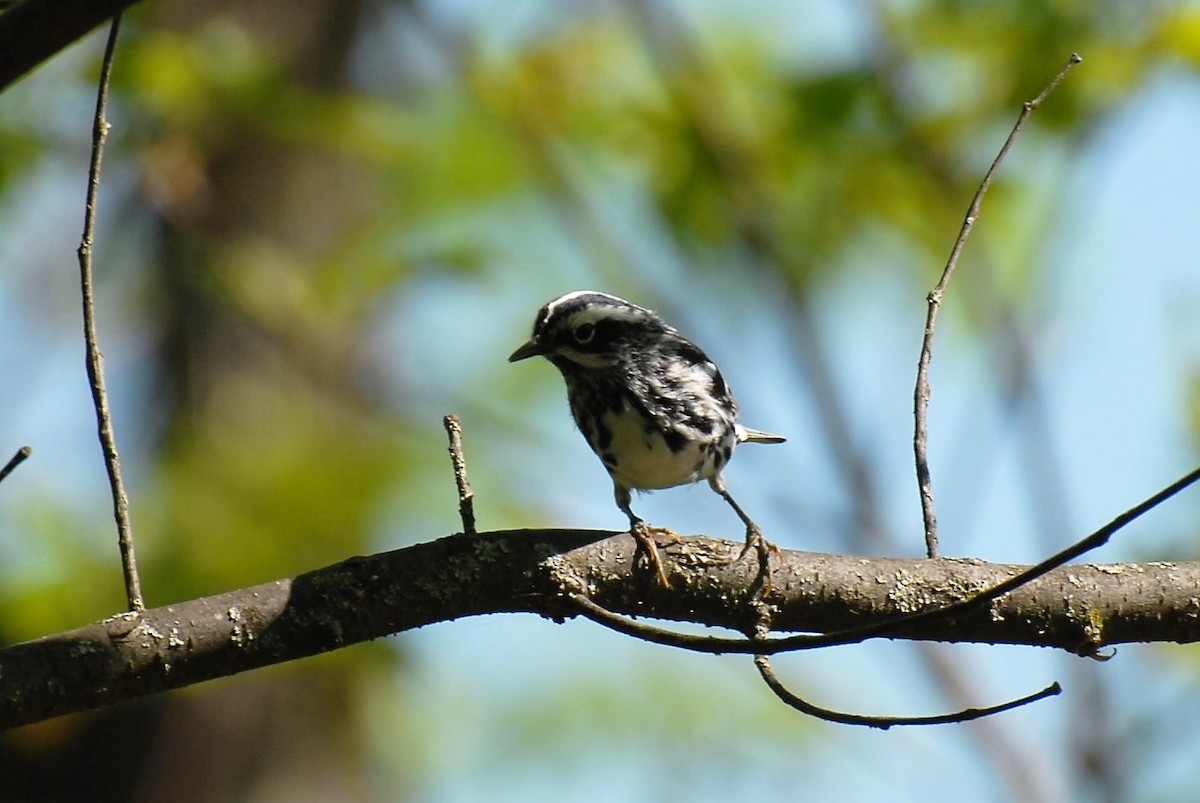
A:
{"x": 757, "y": 541}
{"x": 644, "y": 536}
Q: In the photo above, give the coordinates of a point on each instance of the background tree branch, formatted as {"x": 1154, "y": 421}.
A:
{"x": 34, "y": 31}
{"x": 127, "y": 656}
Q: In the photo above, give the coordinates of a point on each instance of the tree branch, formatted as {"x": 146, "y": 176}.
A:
{"x": 34, "y": 31}
{"x": 1077, "y": 608}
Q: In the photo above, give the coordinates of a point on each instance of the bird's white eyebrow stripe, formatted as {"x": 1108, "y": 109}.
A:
{"x": 550, "y": 308}
{"x": 561, "y": 300}
{"x": 590, "y": 315}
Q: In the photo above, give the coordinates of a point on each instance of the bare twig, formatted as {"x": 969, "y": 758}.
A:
{"x": 921, "y": 392}
{"x": 466, "y": 497}
{"x": 95, "y": 360}
{"x": 17, "y": 459}
{"x": 883, "y": 723}
{"x": 763, "y": 629}
{"x": 890, "y": 627}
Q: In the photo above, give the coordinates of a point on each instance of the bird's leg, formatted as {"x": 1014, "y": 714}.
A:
{"x": 754, "y": 537}
{"x": 642, "y": 534}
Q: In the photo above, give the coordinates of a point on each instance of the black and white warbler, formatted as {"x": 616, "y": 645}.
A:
{"x": 651, "y": 404}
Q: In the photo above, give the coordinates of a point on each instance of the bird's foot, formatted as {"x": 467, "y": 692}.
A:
{"x": 757, "y": 541}
{"x": 668, "y": 536}
{"x": 647, "y": 547}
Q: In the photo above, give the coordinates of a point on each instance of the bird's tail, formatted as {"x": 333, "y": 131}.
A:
{"x": 747, "y": 435}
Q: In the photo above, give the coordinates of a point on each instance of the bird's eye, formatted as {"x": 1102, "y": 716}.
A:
{"x": 584, "y": 333}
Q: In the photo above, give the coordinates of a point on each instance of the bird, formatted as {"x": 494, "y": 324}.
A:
{"x": 650, "y": 403}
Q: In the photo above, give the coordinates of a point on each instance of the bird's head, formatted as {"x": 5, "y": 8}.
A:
{"x": 590, "y": 330}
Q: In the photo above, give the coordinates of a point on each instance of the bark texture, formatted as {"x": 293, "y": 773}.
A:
{"x": 1077, "y": 608}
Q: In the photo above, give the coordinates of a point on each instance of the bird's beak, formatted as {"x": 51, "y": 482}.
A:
{"x": 531, "y": 349}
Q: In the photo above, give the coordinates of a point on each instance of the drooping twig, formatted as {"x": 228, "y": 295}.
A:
{"x": 890, "y": 627}
{"x": 95, "y": 361}
{"x": 761, "y": 633}
{"x": 883, "y": 723}
{"x": 17, "y": 459}
{"x": 466, "y": 497}
{"x": 921, "y": 392}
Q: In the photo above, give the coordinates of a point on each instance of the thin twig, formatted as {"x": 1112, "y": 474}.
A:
{"x": 763, "y": 629}
{"x": 883, "y": 723}
{"x": 921, "y": 392}
{"x": 17, "y": 459}
{"x": 889, "y": 627}
{"x": 95, "y": 360}
{"x": 466, "y": 497}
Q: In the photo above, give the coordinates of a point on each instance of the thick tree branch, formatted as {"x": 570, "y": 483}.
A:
{"x": 34, "y": 31}
{"x": 1078, "y": 608}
